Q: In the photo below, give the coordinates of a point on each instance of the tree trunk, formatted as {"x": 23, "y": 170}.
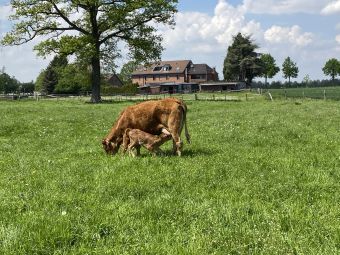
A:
{"x": 95, "y": 80}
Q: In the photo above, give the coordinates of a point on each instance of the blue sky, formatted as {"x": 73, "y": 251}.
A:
{"x": 306, "y": 30}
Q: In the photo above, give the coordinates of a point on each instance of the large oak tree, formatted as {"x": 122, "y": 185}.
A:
{"x": 92, "y": 29}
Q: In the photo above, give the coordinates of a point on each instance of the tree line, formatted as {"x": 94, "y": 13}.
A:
{"x": 9, "y": 84}
{"x": 243, "y": 63}
{"x": 94, "y": 31}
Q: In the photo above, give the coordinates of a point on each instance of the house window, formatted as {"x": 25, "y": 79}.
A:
{"x": 157, "y": 68}
{"x": 167, "y": 77}
{"x": 167, "y": 67}
{"x": 177, "y": 76}
{"x": 153, "y": 77}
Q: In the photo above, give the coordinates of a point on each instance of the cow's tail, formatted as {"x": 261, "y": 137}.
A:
{"x": 185, "y": 109}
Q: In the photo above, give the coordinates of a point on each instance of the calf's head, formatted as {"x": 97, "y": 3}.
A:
{"x": 110, "y": 147}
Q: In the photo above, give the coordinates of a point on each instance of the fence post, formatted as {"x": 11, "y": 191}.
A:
{"x": 270, "y": 96}
{"x": 213, "y": 97}
{"x": 196, "y": 98}
{"x": 324, "y": 94}
{"x": 303, "y": 94}
{"x": 286, "y": 94}
{"x": 246, "y": 96}
{"x": 225, "y": 97}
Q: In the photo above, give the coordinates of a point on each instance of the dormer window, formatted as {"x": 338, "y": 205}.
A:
{"x": 157, "y": 68}
{"x": 167, "y": 67}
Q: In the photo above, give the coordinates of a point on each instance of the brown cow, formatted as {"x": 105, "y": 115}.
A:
{"x": 135, "y": 138}
{"x": 151, "y": 117}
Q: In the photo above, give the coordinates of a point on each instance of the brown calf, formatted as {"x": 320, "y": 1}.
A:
{"x": 135, "y": 138}
{"x": 151, "y": 117}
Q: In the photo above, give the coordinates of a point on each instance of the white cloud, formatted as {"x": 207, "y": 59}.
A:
{"x": 283, "y": 6}
{"x": 201, "y": 32}
{"x": 337, "y": 38}
{"x": 331, "y": 8}
{"x": 292, "y": 35}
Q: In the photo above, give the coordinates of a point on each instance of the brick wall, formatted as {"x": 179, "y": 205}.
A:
{"x": 158, "y": 78}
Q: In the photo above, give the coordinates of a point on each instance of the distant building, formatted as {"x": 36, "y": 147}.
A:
{"x": 114, "y": 81}
{"x": 181, "y": 76}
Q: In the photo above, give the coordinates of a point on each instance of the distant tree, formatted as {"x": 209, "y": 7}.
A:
{"x": 26, "y": 87}
{"x": 242, "y": 63}
{"x": 52, "y": 73}
{"x": 126, "y": 71}
{"x": 97, "y": 27}
{"x": 8, "y": 84}
{"x": 38, "y": 86}
{"x": 73, "y": 79}
{"x": 289, "y": 69}
{"x": 306, "y": 80}
{"x": 332, "y": 68}
{"x": 269, "y": 67}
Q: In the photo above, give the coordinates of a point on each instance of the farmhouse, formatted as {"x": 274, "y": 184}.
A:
{"x": 179, "y": 76}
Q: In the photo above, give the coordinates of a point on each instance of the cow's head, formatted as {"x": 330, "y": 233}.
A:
{"x": 110, "y": 147}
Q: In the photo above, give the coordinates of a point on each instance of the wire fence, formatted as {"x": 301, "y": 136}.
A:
{"x": 332, "y": 93}
{"x": 216, "y": 96}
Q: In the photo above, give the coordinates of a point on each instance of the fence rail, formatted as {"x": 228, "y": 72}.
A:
{"x": 332, "y": 93}
{"x": 315, "y": 93}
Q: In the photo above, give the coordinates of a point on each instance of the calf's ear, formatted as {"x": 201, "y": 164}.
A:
{"x": 104, "y": 142}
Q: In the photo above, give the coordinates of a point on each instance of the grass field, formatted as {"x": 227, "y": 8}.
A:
{"x": 260, "y": 177}
{"x": 316, "y": 93}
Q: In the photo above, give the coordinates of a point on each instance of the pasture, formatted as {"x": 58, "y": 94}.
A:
{"x": 315, "y": 93}
{"x": 260, "y": 177}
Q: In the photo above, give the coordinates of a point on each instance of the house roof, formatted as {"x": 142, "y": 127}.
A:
{"x": 163, "y": 67}
{"x": 200, "y": 69}
{"x": 114, "y": 81}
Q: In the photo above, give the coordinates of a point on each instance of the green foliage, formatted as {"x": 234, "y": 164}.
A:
{"x": 270, "y": 69}
{"x": 8, "y": 84}
{"x": 27, "y": 87}
{"x": 332, "y": 68}
{"x": 126, "y": 71}
{"x": 250, "y": 183}
{"x": 39, "y": 81}
{"x": 53, "y": 73}
{"x": 126, "y": 89}
{"x": 98, "y": 27}
{"x": 242, "y": 62}
{"x": 74, "y": 79}
{"x": 289, "y": 69}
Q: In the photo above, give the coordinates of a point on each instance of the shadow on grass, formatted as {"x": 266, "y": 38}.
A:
{"x": 168, "y": 153}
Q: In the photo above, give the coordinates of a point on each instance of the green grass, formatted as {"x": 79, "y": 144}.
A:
{"x": 316, "y": 93}
{"x": 259, "y": 178}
